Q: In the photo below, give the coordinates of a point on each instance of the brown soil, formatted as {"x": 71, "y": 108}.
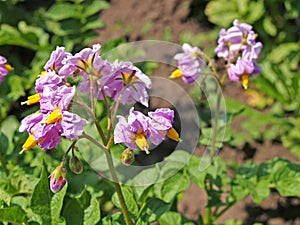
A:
{"x": 146, "y": 20}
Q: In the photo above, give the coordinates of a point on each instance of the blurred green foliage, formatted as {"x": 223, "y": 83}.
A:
{"x": 30, "y": 30}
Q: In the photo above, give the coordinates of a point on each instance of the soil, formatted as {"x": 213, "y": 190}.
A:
{"x": 148, "y": 20}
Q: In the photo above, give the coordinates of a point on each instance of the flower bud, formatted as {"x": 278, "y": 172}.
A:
{"x": 127, "y": 157}
{"x": 58, "y": 179}
{"x": 75, "y": 165}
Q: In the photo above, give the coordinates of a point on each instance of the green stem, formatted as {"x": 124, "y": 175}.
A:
{"x": 208, "y": 215}
{"x": 207, "y": 218}
{"x": 118, "y": 189}
{"x": 211, "y": 64}
{"x": 99, "y": 128}
{"x": 67, "y": 152}
{"x": 224, "y": 210}
{"x": 113, "y": 174}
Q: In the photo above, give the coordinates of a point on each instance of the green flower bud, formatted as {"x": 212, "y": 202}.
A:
{"x": 75, "y": 165}
{"x": 127, "y": 157}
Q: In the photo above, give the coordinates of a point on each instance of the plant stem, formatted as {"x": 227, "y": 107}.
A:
{"x": 118, "y": 189}
{"x": 99, "y": 128}
{"x": 224, "y": 210}
{"x": 215, "y": 123}
{"x": 207, "y": 218}
{"x": 113, "y": 174}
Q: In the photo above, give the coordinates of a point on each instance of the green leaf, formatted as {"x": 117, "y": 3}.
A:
{"x": 11, "y": 36}
{"x": 261, "y": 191}
{"x": 94, "y": 7}
{"x": 61, "y": 11}
{"x": 72, "y": 211}
{"x": 13, "y": 214}
{"x": 129, "y": 200}
{"x": 256, "y": 10}
{"x": 144, "y": 179}
{"x": 269, "y": 27}
{"x": 56, "y": 206}
{"x": 282, "y": 51}
{"x": 115, "y": 219}
{"x": 170, "y": 188}
{"x": 92, "y": 213}
{"x": 221, "y": 13}
{"x": 4, "y": 196}
{"x": 196, "y": 172}
{"x": 151, "y": 211}
{"x": 82, "y": 209}
{"x": 41, "y": 198}
{"x": 16, "y": 87}
{"x": 92, "y": 25}
{"x": 289, "y": 186}
{"x": 171, "y": 218}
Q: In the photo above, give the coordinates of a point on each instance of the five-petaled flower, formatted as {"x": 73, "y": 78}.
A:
{"x": 139, "y": 131}
{"x": 190, "y": 64}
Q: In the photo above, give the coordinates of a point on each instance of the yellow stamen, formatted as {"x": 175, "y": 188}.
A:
{"x": 245, "y": 81}
{"x": 129, "y": 78}
{"x": 172, "y": 134}
{"x": 54, "y": 116}
{"x": 32, "y": 100}
{"x": 8, "y": 67}
{"x": 42, "y": 73}
{"x": 176, "y": 74}
{"x": 81, "y": 64}
{"x": 141, "y": 142}
{"x": 29, "y": 144}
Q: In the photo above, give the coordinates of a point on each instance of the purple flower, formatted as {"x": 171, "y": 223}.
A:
{"x": 189, "y": 64}
{"x": 140, "y": 130}
{"x": 135, "y": 82}
{"x": 101, "y": 78}
{"x": 53, "y": 97}
{"x": 28, "y": 123}
{"x": 58, "y": 178}
{"x": 242, "y": 70}
{"x": 72, "y": 125}
{"x": 161, "y": 122}
{"x": 48, "y": 135}
{"x": 134, "y": 132}
{"x": 4, "y": 68}
{"x": 236, "y": 39}
{"x": 55, "y": 63}
{"x": 86, "y": 60}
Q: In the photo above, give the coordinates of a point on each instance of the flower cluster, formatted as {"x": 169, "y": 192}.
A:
{"x": 115, "y": 80}
{"x": 238, "y": 47}
{"x": 4, "y": 68}
{"x": 54, "y": 95}
{"x": 190, "y": 64}
{"x": 140, "y": 130}
{"x": 121, "y": 81}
